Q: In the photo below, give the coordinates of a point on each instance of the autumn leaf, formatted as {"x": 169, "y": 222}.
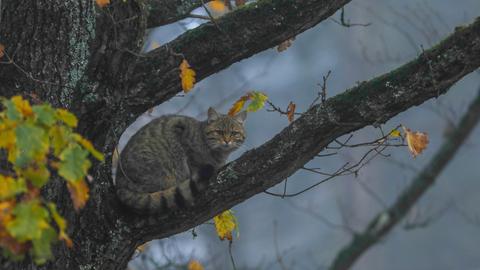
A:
{"x": 239, "y": 3}
{"x": 257, "y": 101}
{"x": 22, "y": 105}
{"x": 416, "y": 141}
{"x": 2, "y": 50}
{"x": 44, "y": 114}
{"x": 88, "y": 146}
{"x": 67, "y": 117}
{"x": 187, "y": 75}
{"x": 10, "y": 186}
{"x": 31, "y": 144}
{"x": 30, "y": 219}
{"x": 285, "y": 45}
{"x": 102, "y": 3}
{"x": 238, "y": 105}
{"x": 225, "y": 223}
{"x": 291, "y": 111}
{"x": 61, "y": 223}
{"x": 195, "y": 265}
{"x": 73, "y": 163}
{"x": 79, "y": 193}
{"x": 217, "y": 5}
{"x": 395, "y": 133}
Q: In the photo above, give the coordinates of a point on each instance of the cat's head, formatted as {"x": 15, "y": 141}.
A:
{"x": 224, "y": 132}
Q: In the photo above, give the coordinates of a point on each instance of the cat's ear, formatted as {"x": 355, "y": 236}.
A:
{"x": 241, "y": 117}
{"x": 212, "y": 114}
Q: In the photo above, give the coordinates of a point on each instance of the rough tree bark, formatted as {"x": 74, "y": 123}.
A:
{"x": 72, "y": 54}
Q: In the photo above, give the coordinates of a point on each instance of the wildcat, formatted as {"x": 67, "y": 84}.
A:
{"x": 169, "y": 160}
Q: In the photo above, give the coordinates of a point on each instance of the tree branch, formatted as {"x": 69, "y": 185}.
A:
{"x": 385, "y": 221}
{"x": 246, "y": 31}
{"x": 370, "y": 103}
{"x": 161, "y": 12}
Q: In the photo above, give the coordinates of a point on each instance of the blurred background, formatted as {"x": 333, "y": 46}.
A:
{"x": 308, "y": 230}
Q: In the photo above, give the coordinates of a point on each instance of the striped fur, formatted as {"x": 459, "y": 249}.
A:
{"x": 169, "y": 161}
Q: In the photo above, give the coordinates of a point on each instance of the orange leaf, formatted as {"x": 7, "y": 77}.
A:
{"x": 416, "y": 141}
{"x": 187, "y": 75}
{"x": 285, "y": 45}
{"x": 78, "y": 193}
{"x": 102, "y": 3}
{"x": 2, "y": 50}
{"x": 238, "y": 105}
{"x": 217, "y": 5}
{"x": 195, "y": 265}
{"x": 291, "y": 111}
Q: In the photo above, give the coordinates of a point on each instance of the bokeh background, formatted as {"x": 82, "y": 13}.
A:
{"x": 307, "y": 231}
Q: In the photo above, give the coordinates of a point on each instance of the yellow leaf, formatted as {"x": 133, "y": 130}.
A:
{"x": 238, "y": 105}
{"x": 88, "y": 146}
{"x": 9, "y": 187}
{"x": 7, "y": 135}
{"x": 291, "y": 111}
{"x": 217, "y": 5}
{"x": 61, "y": 223}
{"x": 187, "y": 75}
{"x": 416, "y": 141}
{"x": 22, "y": 105}
{"x": 195, "y": 265}
{"x": 102, "y": 3}
{"x": 395, "y": 133}
{"x": 225, "y": 223}
{"x": 78, "y": 193}
{"x": 67, "y": 117}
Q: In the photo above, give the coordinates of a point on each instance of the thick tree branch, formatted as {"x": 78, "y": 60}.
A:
{"x": 209, "y": 49}
{"x": 161, "y": 12}
{"x": 370, "y": 103}
{"x": 384, "y": 222}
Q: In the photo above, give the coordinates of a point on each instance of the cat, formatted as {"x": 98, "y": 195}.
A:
{"x": 171, "y": 159}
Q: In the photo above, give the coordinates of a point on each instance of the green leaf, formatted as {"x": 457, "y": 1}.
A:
{"x": 42, "y": 246}
{"x": 29, "y": 222}
{"x": 88, "y": 146}
{"x": 32, "y": 144}
{"x": 45, "y": 114}
{"x": 59, "y": 138}
{"x": 37, "y": 175}
{"x": 12, "y": 111}
{"x": 74, "y": 163}
{"x": 257, "y": 101}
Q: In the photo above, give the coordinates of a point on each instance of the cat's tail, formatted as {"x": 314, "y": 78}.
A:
{"x": 180, "y": 196}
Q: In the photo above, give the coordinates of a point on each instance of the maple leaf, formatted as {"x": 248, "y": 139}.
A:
{"x": 30, "y": 219}
{"x": 187, "y": 75}
{"x": 416, "y": 141}
{"x": 61, "y": 223}
{"x": 22, "y": 105}
{"x": 225, "y": 223}
{"x": 73, "y": 163}
{"x": 291, "y": 111}
{"x": 195, "y": 265}
{"x": 58, "y": 138}
{"x": 102, "y": 3}
{"x": 10, "y": 187}
{"x": 44, "y": 114}
{"x": 31, "y": 144}
{"x": 79, "y": 193}
{"x": 217, "y": 5}
{"x": 2, "y": 50}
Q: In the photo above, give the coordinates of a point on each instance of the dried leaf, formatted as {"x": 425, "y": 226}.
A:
{"x": 102, "y": 3}
{"x": 187, "y": 75}
{"x": 78, "y": 193}
{"x": 217, "y": 5}
{"x": 225, "y": 223}
{"x": 291, "y": 111}
{"x": 238, "y": 105}
{"x": 195, "y": 265}
{"x": 285, "y": 45}
{"x": 416, "y": 141}
{"x": 2, "y": 50}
